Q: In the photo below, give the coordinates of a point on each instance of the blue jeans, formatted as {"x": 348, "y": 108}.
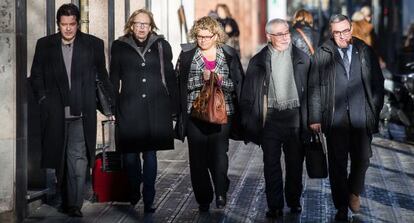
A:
{"x": 145, "y": 174}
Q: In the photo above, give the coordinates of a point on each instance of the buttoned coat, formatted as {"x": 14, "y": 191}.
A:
{"x": 50, "y": 84}
{"x": 144, "y": 106}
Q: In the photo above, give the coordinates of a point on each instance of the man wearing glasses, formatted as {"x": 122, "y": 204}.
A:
{"x": 345, "y": 99}
{"x": 274, "y": 114}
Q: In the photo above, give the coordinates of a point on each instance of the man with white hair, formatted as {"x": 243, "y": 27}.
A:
{"x": 273, "y": 107}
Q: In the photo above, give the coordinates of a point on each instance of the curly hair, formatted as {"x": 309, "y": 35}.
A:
{"x": 130, "y": 22}
{"x": 210, "y": 24}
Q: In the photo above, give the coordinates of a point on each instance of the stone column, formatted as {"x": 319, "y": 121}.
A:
{"x": 7, "y": 109}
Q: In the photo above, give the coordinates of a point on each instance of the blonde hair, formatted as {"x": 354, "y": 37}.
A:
{"x": 303, "y": 17}
{"x": 210, "y": 24}
{"x": 130, "y": 22}
{"x": 358, "y": 16}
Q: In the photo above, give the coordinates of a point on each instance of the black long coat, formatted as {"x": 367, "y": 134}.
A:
{"x": 51, "y": 88}
{"x": 252, "y": 104}
{"x": 144, "y": 107}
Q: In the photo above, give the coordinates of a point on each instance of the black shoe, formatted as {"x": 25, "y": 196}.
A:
{"x": 149, "y": 210}
{"x": 342, "y": 214}
{"x": 204, "y": 207}
{"x": 63, "y": 209}
{"x": 135, "y": 198}
{"x": 274, "y": 213}
{"x": 75, "y": 212}
{"x": 295, "y": 210}
{"x": 220, "y": 202}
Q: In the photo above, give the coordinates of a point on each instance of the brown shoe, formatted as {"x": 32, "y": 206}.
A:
{"x": 354, "y": 202}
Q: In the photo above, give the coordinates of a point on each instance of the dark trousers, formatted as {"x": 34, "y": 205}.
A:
{"x": 145, "y": 174}
{"x": 343, "y": 141}
{"x": 73, "y": 171}
{"x": 208, "y": 145}
{"x": 275, "y": 138}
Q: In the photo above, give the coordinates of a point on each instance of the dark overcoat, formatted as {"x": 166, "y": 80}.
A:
{"x": 322, "y": 85}
{"x": 144, "y": 105}
{"x": 252, "y": 102}
{"x": 50, "y": 84}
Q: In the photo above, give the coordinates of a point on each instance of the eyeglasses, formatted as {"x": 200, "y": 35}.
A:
{"x": 280, "y": 35}
{"x": 199, "y": 38}
{"x": 345, "y": 32}
{"x": 141, "y": 24}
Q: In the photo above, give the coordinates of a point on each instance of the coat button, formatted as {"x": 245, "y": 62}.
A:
{"x": 144, "y": 95}
{"x": 144, "y": 80}
{"x": 143, "y": 65}
{"x": 149, "y": 50}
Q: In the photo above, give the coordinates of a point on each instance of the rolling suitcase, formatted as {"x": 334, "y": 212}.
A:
{"x": 109, "y": 180}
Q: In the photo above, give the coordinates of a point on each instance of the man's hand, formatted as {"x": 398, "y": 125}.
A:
{"x": 316, "y": 127}
{"x": 112, "y": 117}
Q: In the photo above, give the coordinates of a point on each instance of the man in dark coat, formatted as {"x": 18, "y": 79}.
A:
{"x": 345, "y": 98}
{"x": 274, "y": 114}
{"x": 63, "y": 77}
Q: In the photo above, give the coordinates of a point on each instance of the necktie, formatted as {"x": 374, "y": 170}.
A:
{"x": 345, "y": 59}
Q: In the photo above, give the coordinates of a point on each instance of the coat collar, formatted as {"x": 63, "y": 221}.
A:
{"x": 297, "y": 56}
{"x": 128, "y": 39}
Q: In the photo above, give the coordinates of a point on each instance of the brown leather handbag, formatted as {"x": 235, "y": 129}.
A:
{"x": 210, "y": 105}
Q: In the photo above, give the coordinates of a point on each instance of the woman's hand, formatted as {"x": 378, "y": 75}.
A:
{"x": 219, "y": 79}
{"x": 206, "y": 75}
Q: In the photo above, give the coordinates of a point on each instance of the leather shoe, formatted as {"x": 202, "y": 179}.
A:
{"x": 63, "y": 209}
{"x": 296, "y": 210}
{"x": 274, "y": 213}
{"x": 149, "y": 210}
{"x": 204, "y": 207}
{"x": 75, "y": 212}
{"x": 342, "y": 214}
{"x": 135, "y": 198}
{"x": 354, "y": 203}
{"x": 220, "y": 202}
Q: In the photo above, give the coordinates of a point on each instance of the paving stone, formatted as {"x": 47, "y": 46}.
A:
{"x": 388, "y": 195}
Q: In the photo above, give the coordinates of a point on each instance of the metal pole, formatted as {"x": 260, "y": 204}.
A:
{"x": 84, "y": 15}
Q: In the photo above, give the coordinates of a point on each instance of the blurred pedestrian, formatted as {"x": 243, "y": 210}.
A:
{"x": 304, "y": 36}
{"x": 66, "y": 67}
{"x": 274, "y": 114}
{"x": 229, "y": 25}
{"x": 362, "y": 29}
{"x": 208, "y": 143}
{"x": 366, "y": 11}
{"x": 346, "y": 92}
{"x": 143, "y": 77}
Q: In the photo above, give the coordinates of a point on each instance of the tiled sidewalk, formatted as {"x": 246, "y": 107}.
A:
{"x": 388, "y": 197}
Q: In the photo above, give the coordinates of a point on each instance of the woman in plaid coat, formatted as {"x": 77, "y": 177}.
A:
{"x": 208, "y": 143}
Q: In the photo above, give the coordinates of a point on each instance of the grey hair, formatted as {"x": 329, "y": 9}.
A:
{"x": 338, "y": 18}
{"x": 271, "y": 22}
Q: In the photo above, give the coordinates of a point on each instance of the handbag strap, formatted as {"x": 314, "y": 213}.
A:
{"x": 306, "y": 40}
{"x": 161, "y": 54}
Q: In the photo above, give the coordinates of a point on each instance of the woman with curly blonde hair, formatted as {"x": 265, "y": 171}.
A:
{"x": 208, "y": 143}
